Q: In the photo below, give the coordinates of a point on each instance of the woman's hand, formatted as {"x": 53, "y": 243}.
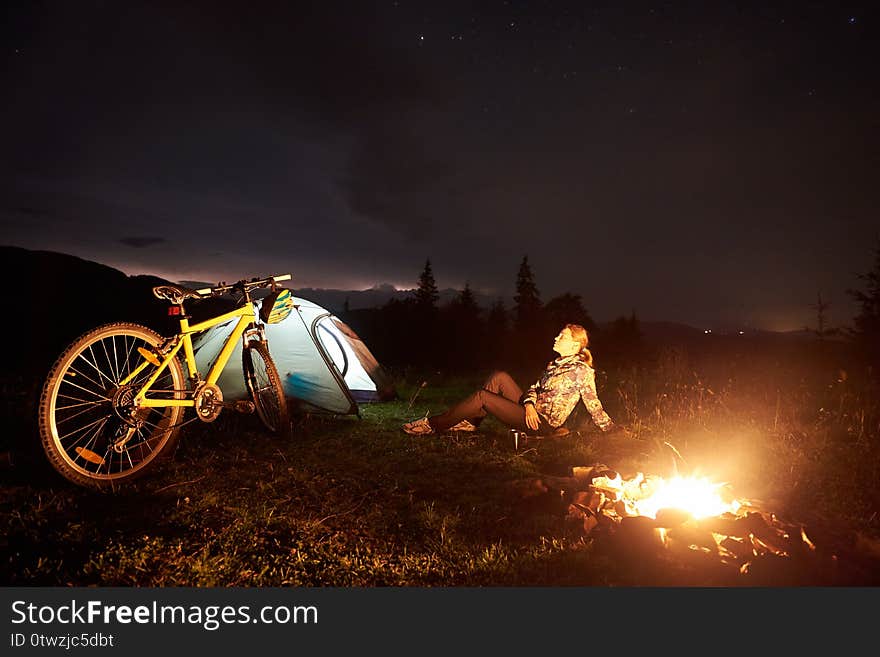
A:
{"x": 532, "y": 420}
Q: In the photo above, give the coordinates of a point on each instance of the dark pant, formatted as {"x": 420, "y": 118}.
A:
{"x": 498, "y": 397}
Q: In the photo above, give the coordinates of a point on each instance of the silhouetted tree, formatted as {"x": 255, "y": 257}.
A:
{"x": 527, "y": 300}
{"x": 426, "y": 350}
{"x": 466, "y": 301}
{"x": 393, "y": 335}
{"x": 867, "y": 322}
{"x": 568, "y": 309}
{"x": 528, "y": 348}
{"x": 822, "y": 330}
{"x": 426, "y": 293}
{"x": 622, "y": 342}
{"x": 463, "y": 336}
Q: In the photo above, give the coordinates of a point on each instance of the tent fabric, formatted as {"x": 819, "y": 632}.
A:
{"x": 369, "y": 366}
{"x": 323, "y": 364}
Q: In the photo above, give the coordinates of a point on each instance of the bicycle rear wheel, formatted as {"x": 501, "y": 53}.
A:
{"x": 85, "y": 413}
{"x": 264, "y": 385}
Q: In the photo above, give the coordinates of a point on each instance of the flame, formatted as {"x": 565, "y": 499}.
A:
{"x": 691, "y": 516}
{"x": 697, "y": 496}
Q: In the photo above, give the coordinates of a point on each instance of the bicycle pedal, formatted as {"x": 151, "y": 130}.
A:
{"x": 244, "y": 406}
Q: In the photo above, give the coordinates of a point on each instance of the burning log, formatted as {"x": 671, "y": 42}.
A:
{"x": 735, "y": 549}
{"x": 698, "y": 524}
{"x": 581, "y": 518}
{"x": 672, "y": 517}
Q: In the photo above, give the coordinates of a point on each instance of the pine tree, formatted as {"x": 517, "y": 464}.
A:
{"x": 466, "y": 301}
{"x": 867, "y": 322}
{"x": 463, "y": 332}
{"x": 568, "y": 309}
{"x": 527, "y": 297}
{"x": 427, "y": 295}
{"x": 822, "y": 330}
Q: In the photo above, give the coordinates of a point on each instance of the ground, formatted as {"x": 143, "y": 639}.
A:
{"x": 356, "y": 502}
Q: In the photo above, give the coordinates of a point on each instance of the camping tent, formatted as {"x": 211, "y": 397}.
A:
{"x": 323, "y": 364}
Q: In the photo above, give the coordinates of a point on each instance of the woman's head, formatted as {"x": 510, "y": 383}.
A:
{"x": 573, "y": 339}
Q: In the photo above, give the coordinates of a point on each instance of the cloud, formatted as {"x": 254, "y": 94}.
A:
{"x": 141, "y": 242}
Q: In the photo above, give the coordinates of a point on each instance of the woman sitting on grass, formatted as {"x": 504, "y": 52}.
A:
{"x": 546, "y": 405}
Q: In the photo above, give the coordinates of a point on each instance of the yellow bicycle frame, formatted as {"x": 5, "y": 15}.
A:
{"x": 246, "y": 316}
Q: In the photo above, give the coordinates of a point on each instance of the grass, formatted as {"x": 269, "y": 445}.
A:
{"x": 356, "y": 502}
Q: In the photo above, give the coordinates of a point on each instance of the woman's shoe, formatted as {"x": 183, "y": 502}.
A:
{"x": 420, "y": 427}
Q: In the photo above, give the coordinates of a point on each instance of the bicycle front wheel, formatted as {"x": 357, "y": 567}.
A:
{"x": 90, "y": 429}
{"x": 264, "y": 385}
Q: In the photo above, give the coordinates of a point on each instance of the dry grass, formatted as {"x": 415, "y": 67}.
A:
{"x": 355, "y": 502}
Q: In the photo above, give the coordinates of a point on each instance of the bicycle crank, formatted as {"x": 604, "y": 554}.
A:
{"x": 208, "y": 399}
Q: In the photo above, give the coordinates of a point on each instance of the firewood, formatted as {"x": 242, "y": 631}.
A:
{"x": 740, "y": 548}
{"x": 638, "y": 535}
{"x": 672, "y": 517}
{"x": 588, "y": 472}
{"x": 726, "y": 524}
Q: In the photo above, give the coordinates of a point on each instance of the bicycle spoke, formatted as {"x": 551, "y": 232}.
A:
{"x": 83, "y": 428}
{"x": 144, "y": 441}
{"x": 155, "y": 425}
{"x": 95, "y": 365}
{"x": 91, "y": 392}
{"x": 85, "y": 376}
{"x": 84, "y": 401}
{"x": 128, "y": 354}
{"x": 110, "y": 363}
{"x": 90, "y": 443}
{"x": 75, "y": 415}
{"x": 116, "y": 360}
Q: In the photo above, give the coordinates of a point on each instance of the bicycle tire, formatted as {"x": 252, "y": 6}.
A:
{"x": 97, "y": 360}
{"x": 264, "y": 385}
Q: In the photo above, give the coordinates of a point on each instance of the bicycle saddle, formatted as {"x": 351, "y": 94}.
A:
{"x": 175, "y": 294}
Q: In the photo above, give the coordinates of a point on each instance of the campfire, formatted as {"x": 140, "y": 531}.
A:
{"x": 646, "y": 496}
{"x": 692, "y": 523}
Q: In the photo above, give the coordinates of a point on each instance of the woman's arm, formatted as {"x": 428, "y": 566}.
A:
{"x": 530, "y": 396}
{"x": 528, "y": 400}
{"x": 591, "y": 401}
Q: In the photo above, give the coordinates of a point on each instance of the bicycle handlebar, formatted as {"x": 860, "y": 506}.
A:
{"x": 243, "y": 285}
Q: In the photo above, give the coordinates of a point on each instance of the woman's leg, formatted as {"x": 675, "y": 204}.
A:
{"x": 477, "y": 406}
{"x": 502, "y": 383}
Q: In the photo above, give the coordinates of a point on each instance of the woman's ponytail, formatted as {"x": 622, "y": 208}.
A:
{"x": 579, "y": 333}
{"x": 586, "y": 356}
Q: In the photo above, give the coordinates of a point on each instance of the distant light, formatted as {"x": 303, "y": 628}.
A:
{"x": 852, "y": 20}
{"x": 742, "y": 332}
{"x": 707, "y": 331}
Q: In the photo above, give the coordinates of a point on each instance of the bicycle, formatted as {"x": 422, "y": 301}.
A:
{"x": 113, "y": 401}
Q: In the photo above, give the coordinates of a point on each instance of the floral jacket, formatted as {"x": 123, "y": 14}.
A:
{"x": 565, "y": 382}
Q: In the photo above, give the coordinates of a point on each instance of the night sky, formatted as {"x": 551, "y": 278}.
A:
{"x": 713, "y": 163}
